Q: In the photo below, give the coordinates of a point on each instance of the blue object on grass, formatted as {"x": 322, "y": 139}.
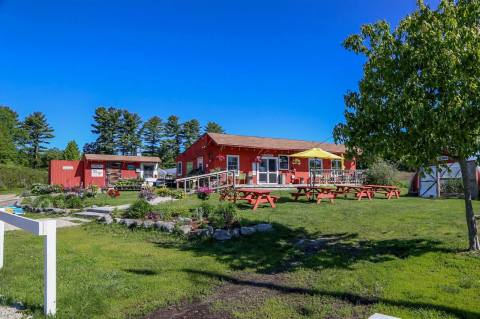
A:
{"x": 14, "y": 209}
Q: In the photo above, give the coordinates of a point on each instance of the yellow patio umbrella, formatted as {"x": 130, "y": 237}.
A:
{"x": 317, "y": 153}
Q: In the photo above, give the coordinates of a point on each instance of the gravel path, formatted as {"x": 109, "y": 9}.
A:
{"x": 11, "y": 313}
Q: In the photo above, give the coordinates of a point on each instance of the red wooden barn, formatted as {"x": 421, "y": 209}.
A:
{"x": 102, "y": 170}
{"x": 262, "y": 160}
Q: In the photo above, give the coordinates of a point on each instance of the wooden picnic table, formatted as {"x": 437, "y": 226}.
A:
{"x": 359, "y": 191}
{"x": 389, "y": 191}
{"x": 317, "y": 192}
{"x": 255, "y": 197}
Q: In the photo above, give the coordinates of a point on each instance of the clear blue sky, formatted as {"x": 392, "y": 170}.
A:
{"x": 267, "y": 68}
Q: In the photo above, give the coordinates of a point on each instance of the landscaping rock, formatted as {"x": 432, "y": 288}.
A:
{"x": 210, "y": 230}
{"x": 130, "y": 222}
{"x": 245, "y": 231}
{"x": 118, "y": 220}
{"x": 235, "y": 232}
{"x": 185, "y": 229}
{"x": 139, "y": 223}
{"x": 264, "y": 227}
{"x": 148, "y": 224}
{"x": 165, "y": 226}
{"x": 107, "y": 219}
{"x": 221, "y": 234}
{"x": 184, "y": 220}
{"x": 58, "y": 210}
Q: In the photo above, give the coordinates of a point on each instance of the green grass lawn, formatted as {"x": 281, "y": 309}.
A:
{"x": 401, "y": 257}
{"x": 126, "y": 197}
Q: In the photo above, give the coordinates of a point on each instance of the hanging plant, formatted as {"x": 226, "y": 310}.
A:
{"x": 257, "y": 159}
{"x": 296, "y": 161}
{"x": 220, "y": 157}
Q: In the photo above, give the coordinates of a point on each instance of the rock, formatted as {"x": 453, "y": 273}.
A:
{"x": 138, "y": 222}
{"x": 184, "y": 220}
{"x": 107, "y": 219}
{"x": 120, "y": 221}
{"x": 245, "y": 231}
{"x": 130, "y": 223}
{"x": 221, "y": 234}
{"x": 210, "y": 230}
{"x": 148, "y": 224}
{"x": 185, "y": 229}
{"x": 58, "y": 210}
{"x": 165, "y": 226}
{"x": 235, "y": 232}
{"x": 264, "y": 227}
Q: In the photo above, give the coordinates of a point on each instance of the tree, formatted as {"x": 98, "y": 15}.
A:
{"x": 37, "y": 133}
{"x": 190, "y": 132}
{"x": 419, "y": 96}
{"x": 152, "y": 132}
{"x": 106, "y": 126}
{"x": 90, "y": 148}
{"x": 50, "y": 154}
{"x": 9, "y": 135}
{"x": 173, "y": 132}
{"x": 213, "y": 127}
{"x": 129, "y": 133}
{"x": 168, "y": 153}
{"x": 71, "y": 152}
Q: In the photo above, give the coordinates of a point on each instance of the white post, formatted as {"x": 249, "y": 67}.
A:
{"x": 50, "y": 271}
{"x": 2, "y": 241}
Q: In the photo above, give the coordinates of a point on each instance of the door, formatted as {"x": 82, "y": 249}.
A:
{"x": 200, "y": 163}
{"x": 114, "y": 172}
{"x": 268, "y": 170}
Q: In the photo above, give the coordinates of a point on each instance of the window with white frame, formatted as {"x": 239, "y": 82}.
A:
{"x": 336, "y": 164}
{"x": 233, "y": 163}
{"x": 179, "y": 169}
{"x": 315, "y": 164}
{"x": 283, "y": 162}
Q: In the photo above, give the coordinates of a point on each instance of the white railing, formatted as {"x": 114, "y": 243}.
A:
{"x": 214, "y": 181}
{"x": 337, "y": 176}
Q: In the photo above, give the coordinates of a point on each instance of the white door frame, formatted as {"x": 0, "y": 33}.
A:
{"x": 268, "y": 170}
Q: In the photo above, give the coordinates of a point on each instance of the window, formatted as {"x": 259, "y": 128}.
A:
{"x": 189, "y": 167}
{"x": 179, "y": 169}
{"x": 233, "y": 163}
{"x": 131, "y": 167}
{"x": 315, "y": 164}
{"x": 336, "y": 164}
{"x": 148, "y": 171}
{"x": 283, "y": 162}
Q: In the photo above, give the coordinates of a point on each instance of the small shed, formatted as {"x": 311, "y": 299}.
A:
{"x": 103, "y": 170}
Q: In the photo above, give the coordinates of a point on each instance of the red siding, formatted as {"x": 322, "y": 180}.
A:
{"x": 66, "y": 173}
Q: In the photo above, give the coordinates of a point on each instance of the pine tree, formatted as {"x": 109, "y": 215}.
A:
{"x": 129, "y": 133}
{"x": 106, "y": 126}
{"x": 9, "y": 135}
{"x": 190, "y": 132}
{"x": 213, "y": 127}
{"x": 71, "y": 152}
{"x": 50, "y": 154}
{"x": 173, "y": 132}
{"x": 152, "y": 132}
{"x": 37, "y": 133}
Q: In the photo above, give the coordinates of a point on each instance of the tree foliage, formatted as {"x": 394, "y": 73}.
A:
{"x": 418, "y": 97}
{"x": 129, "y": 133}
{"x": 71, "y": 152}
{"x": 190, "y": 132}
{"x": 152, "y": 133}
{"x": 107, "y": 122}
{"x": 10, "y": 135}
{"x": 213, "y": 127}
{"x": 37, "y": 133}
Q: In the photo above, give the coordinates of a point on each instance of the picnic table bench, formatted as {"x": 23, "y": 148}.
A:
{"x": 359, "y": 191}
{"x": 389, "y": 191}
{"x": 253, "y": 197}
{"x": 317, "y": 192}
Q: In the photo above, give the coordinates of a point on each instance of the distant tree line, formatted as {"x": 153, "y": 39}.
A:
{"x": 120, "y": 131}
{"x": 25, "y": 141}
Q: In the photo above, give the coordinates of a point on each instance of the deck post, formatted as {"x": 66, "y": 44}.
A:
{"x": 50, "y": 271}
{"x": 2, "y": 242}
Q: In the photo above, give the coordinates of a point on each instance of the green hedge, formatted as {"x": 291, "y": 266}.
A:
{"x": 20, "y": 177}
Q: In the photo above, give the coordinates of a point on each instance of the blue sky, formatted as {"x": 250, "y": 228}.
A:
{"x": 266, "y": 68}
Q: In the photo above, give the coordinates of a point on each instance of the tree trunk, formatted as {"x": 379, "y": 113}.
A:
{"x": 473, "y": 241}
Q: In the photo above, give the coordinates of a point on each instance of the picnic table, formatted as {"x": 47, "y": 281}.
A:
{"x": 359, "y": 191}
{"x": 253, "y": 197}
{"x": 317, "y": 192}
{"x": 389, "y": 191}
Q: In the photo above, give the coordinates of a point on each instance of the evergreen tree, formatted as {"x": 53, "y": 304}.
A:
{"x": 106, "y": 126}
{"x": 9, "y": 135}
{"x": 190, "y": 132}
{"x": 152, "y": 132}
{"x": 167, "y": 153}
{"x": 37, "y": 133}
{"x": 129, "y": 133}
{"x": 50, "y": 154}
{"x": 90, "y": 148}
{"x": 173, "y": 132}
{"x": 71, "y": 152}
{"x": 213, "y": 127}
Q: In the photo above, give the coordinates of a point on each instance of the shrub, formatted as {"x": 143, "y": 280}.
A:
{"x": 58, "y": 201}
{"x": 203, "y": 193}
{"x": 207, "y": 209}
{"x": 73, "y": 201}
{"x": 113, "y": 193}
{"x": 382, "y": 173}
{"x": 224, "y": 216}
{"x": 139, "y": 209}
{"x": 166, "y": 192}
{"x": 147, "y": 194}
{"x": 43, "y": 189}
{"x": 454, "y": 186}
{"x": 43, "y": 201}
{"x": 14, "y": 176}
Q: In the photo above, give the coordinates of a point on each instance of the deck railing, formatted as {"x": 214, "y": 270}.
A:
{"x": 214, "y": 181}
{"x": 337, "y": 176}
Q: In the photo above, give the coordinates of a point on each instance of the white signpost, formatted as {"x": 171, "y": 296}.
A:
{"x": 47, "y": 228}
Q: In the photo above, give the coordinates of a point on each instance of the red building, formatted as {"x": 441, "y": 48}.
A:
{"x": 261, "y": 160}
{"x": 102, "y": 170}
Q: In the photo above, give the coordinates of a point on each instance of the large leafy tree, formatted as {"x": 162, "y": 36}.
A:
{"x": 50, "y": 154}
{"x": 10, "y": 135}
{"x": 213, "y": 127}
{"x": 129, "y": 133}
{"x": 106, "y": 126}
{"x": 152, "y": 133}
{"x": 37, "y": 133}
{"x": 419, "y": 96}
{"x": 190, "y": 132}
{"x": 173, "y": 134}
{"x": 71, "y": 152}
